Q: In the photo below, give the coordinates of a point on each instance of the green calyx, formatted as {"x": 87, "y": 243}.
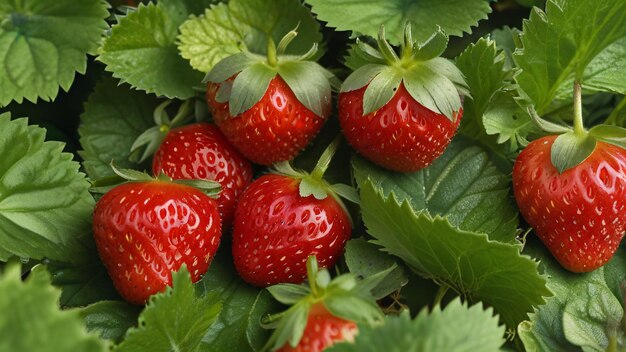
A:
{"x": 344, "y": 297}
{"x": 313, "y": 184}
{"x": 574, "y": 145}
{"x": 431, "y": 80}
{"x": 252, "y": 73}
{"x": 210, "y": 188}
{"x": 150, "y": 140}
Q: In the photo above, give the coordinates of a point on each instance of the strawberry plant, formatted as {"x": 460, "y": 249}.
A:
{"x": 325, "y": 175}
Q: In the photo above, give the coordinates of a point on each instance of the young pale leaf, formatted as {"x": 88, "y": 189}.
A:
{"x": 249, "y": 87}
{"x": 366, "y": 16}
{"x": 110, "y": 319}
{"x": 366, "y": 259}
{"x": 45, "y": 205}
{"x": 556, "y": 47}
{"x": 509, "y": 121}
{"x": 462, "y": 185}
{"x": 142, "y": 51}
{"x": 44, "y": 44}
{"x": 471, "y": 264}
{"x": 224, "y": 30}
{"x": 31, "y": 319}
{"x": 569, "y": 150}
{"x": 238, "y": 327}
{"x": 174, "y": 320}
{"x": 310, "y": 85}
{"x": 114, "y": 117}
{"x": 381, "y": 89}
{"x": 456, "y": 328}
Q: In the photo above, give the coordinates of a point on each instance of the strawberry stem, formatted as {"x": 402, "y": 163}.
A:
{"x": 311, "y": 271}
{"x": 579, "y": 129}
{"x": 408, "y": 48}
{"x": 443, "y": 289}
{"x": 325, "y": 159}
{"x": 272, "y": 58}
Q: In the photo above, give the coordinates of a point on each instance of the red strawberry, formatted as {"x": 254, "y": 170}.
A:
{"x": 269, "y": 108}
{"x": 579, "y": 213}
{"x": 402, "y": 135}
{"x": 276, "y": 230}
{"x": 322, "y": 331}
{"x": 401, "y": 112}
{"x": 200, "y": 151}
{"x": 145, "y": 230}
{"x": 284, "y": 218}
{"x": 276, "y": 128}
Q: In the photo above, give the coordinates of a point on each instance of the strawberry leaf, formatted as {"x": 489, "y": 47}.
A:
{"x": 556, "y": 48}
{"x": 32, "y": 320}
{"x": 365, "y": 259}
{"x": 174, "y": 320}
{"x": 224, "y": 30}
{"x": 44, "y": 44}
{"x": 468, "y": 262}
{"x": 114, "y": 117}
{"x": 142, "y": 51}
{"x": 45, "y": 206}
{"x": 609, "y": 134}
{"x": 249, "y": 87}
{"x": 509, "y": 121}
{"x": 309, "y": 83}
{"x": 455, "y": 328}
{"x": 462, "y": 185}
{"x": 569, "y": 150}
{"x": 605, "y": 72}
{"x": 110, "y": 319}
{"x": 366, "y": 16}
{"x": 381, "y": 89}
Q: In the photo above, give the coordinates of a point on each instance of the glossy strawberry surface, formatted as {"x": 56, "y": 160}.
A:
{"x": 276, "y": 230}
{"x": 200, "y": 151}
{"x": 579, "y": 214}
{"x": 402, "y": 135}
{"x": 322, "y": 331}
{"x": 146, "y": 230}
{"x": 276, "y": 128}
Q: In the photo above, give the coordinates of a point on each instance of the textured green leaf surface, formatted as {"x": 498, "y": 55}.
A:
{"x": 114, "y": 117}
{"x": 456, "y": 328}
{"x": 175, "y": 320}
{"x": 462, "y": 185}
{"x": 31, "y": 319}
{"x": 45, "y": 206}
{"x": 556, "y": 46}
{"x": 44, "y": 43}
{"x": 142, "y": 51}
{"x": 506, "y": 119}
{"x": 471, "y": 264}
{"x": 110, "y": 319}
{"x": 224, "y": 30}
{"x": 366, "y": 16}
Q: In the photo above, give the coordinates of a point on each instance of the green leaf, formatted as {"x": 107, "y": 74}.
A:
{"x": 44, "y": 44}
{"x": 365, "y": 259}
{"x": 114, "y": 117}
{"x": 142, "y": 51}
{"x": 431, "y": 88}
{"x": 606, "y": 71}
{"x": 468, "y": 262}
{"x": 249, "y": 87}
{"x": 569, "y": 150}
{"x": 361, "y": 76}
{"x": 45, "y": 206}
{"x": 110, "y": 319}
{"x": 556, "y": 46}
{"x": 462, "y": 185}
{"x": 506, "y": 119}
{"x": 288, "y": 294}
{"x": 309, "y": 83}
{"x": 366, "y": 16}
{"x": 357, "y": 309}
{"x": 82, "y": 284}
{"x": 174, "y": 320}
{"x": 455, "y": 328}
{"x": 381, "y": 89}
{"x": 31, "y": 319}
{"x": 238, "y": 326}
{"x": 609, "y": 134}
{"x": 433, "y": 46}
{"x": 224, "y": 30}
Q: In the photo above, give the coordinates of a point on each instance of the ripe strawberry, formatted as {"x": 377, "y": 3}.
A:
{"x": 402, "y": 112}
{"x": 322, "y": 331}
{"x": 145, "y": 230}
{"x": 269, "y": 108}
{"x": 200, "y": 151}
{"x": 579, "y": 213}
{"x": 402, "y": 135}
{"x": 276, "y": 128}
